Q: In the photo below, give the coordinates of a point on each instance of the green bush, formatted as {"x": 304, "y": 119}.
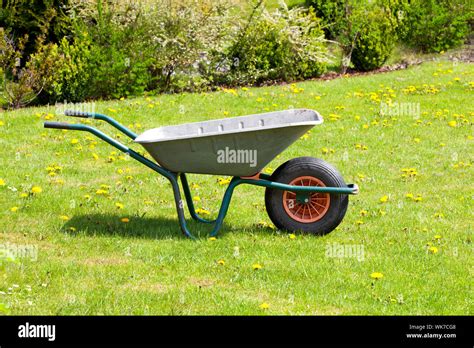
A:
{"x": 284, "y": 45}
{"x": 366, "y": 30}
{"x": 64, "y": 70}
{"x": 47, "y": 20}
{"x": 332, "y": 14}
{"x": 437, "y": 25}
{"x": 118, "y": 42}
{"x": 375, "y": 40}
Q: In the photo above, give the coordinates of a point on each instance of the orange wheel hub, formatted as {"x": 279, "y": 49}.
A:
{"x": 312, "y": 208}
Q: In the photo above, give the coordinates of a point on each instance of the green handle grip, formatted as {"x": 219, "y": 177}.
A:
{"x": 58, "y": 125}
{"x": 81, "y": 114}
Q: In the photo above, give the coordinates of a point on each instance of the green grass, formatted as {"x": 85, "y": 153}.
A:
{"x": 95, "y": 264}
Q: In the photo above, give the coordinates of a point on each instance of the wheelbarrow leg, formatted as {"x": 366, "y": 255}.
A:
{"x": 222, "y": 211}
{"x": 225, "y": 205}
{"x": 189, "y": 201}
{"x": 180, "y": 207}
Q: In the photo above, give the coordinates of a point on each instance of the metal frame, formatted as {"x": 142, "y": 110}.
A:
{"x": 260, "y": 180}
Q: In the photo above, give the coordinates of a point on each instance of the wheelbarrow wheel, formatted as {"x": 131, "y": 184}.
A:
{"x": 316, "y": 213}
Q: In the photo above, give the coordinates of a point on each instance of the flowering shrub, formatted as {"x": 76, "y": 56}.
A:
{"x": 283, "y": 45}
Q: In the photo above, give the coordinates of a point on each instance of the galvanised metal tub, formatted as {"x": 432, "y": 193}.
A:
{"x": 238, "y": 146}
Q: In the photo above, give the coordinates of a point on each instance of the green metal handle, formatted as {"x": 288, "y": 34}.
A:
{"x": 102, "y": 117}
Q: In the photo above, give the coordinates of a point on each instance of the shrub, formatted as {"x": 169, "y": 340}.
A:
{"x": 20, "y": 85}
{"x": 46, "y": 19}
{"x": 188, "y": 42}
{"x": 115, "y": 33}
{"x": 283, "y": 45}
{"x": 366, "y": 30}
{"x": 437, "y": 25}
{"x": 332, "y": 14}
{"x": 166, "y": 46}
{"x": 64, "y": 70}
{"x": 375, "y": 40}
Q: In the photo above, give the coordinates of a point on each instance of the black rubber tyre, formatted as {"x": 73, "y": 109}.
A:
{"x": 322, "y": 171}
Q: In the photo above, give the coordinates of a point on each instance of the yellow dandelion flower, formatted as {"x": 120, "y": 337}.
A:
{"x": 87, "y": 196}
{"x": 256, "y": 266}
{"x": 409, "y": 195}
{"x": 101, "y": 192}
{"x": 433, "y": 250}
{"x": 212, "y": 239}
{"x": 2, "y": 182}
{"x": 64, "y": 217}
{"x": 13, "y": 209}
{"x": 119, "y": 205}
{"x": 264, "y": 305}
{"x": 196, "y": 198}
{"x": 23, "y": 195}
{"x": 2, "y": 123}
{"x": 292, "y": 236}
{"x": 221, "y": 262}
{"x": 384, "y": 199}
{"x": 418, "y": 198}
{"x": 363, "y": 212}
{"x": 376, "y": 275}
{"x": 359, "y": 222}
{"x": 74, "y": 141}
{"x": 148, "y": 202}
{"x": 72, "y": 229}
{"x": 203, "y": 211}
{"x": 452, "y": 124}
{"x": 125, "y": 220}
{"x": 95, "y": 156}
{"x": 36, "y": 189}
{"x": 222, "y": 181}
{"x": 437, "y": 237}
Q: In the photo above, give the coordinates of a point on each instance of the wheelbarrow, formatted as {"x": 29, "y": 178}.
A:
{"x": 304, "y": 194}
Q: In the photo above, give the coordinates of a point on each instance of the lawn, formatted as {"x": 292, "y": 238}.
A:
{"x": 69, "y": 196}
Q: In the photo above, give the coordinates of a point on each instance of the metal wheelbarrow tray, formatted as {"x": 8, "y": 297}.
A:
{"x": 245, "y": 144}
{"x": 304, "y": 194}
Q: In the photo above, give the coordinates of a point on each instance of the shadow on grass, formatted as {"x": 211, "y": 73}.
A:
{"x": 137, "y": 227}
